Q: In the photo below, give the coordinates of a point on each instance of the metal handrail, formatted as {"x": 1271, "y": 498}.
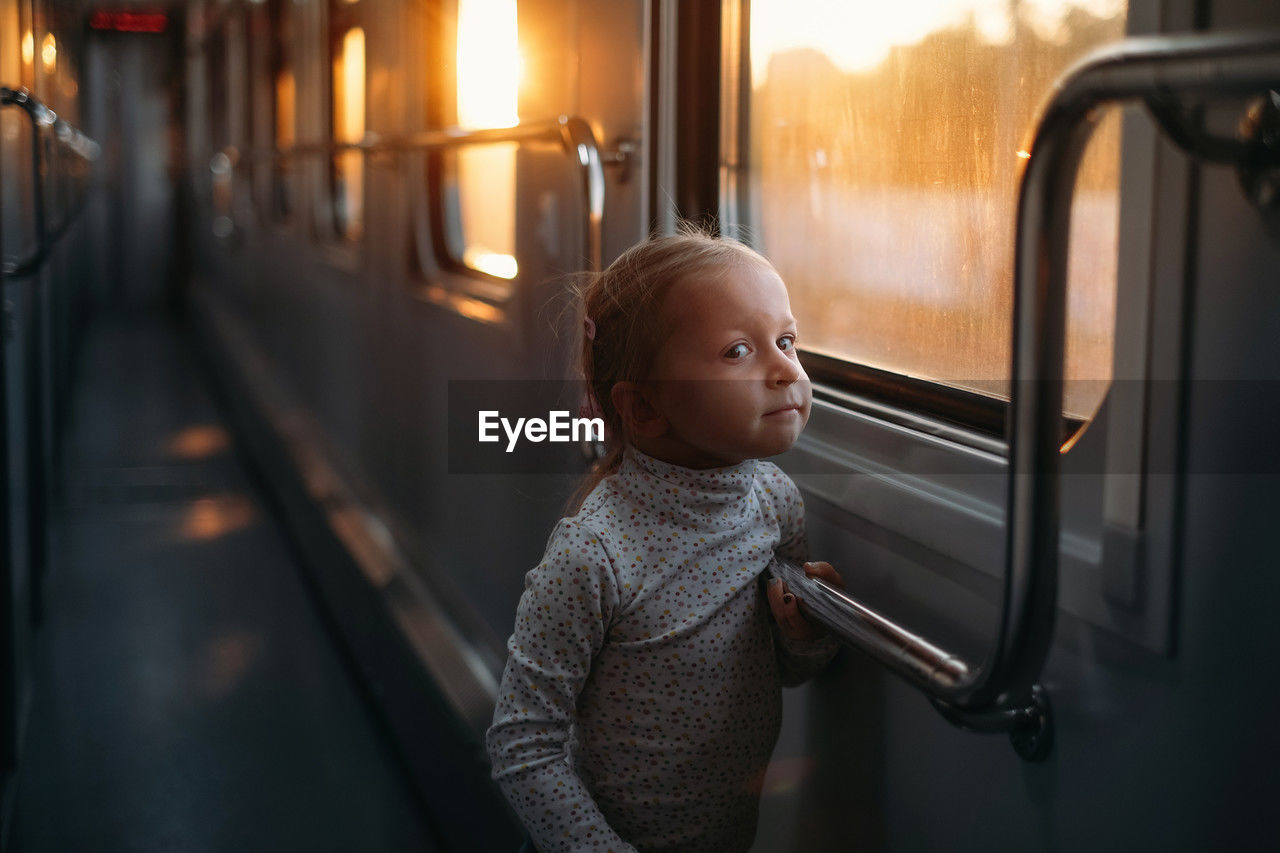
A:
{"x": 1002, "y": 693}
{"x": 76, "y": 141}
{"x": 572, "y": 132}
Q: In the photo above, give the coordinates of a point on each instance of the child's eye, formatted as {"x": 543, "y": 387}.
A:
{"x": 786, "y": 343}
{"x": 737, "y": 351}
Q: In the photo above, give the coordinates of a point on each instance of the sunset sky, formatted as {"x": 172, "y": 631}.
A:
{"x": 857, "y": 36}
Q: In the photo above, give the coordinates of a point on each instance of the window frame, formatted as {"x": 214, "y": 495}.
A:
{"x": 281, "y": 59}
{"x": 978, "y": 418}
{"x": 441, "y": 272}
{"x": 342, "y": 17}
{"x": 924, "y": 463}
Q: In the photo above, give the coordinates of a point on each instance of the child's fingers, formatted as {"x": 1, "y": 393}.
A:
{"x": 784, "y": 603}
{"x": 825, "y": 572}
{"x": 786, "y": 609}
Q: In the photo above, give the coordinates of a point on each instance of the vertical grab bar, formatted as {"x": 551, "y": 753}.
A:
{"x": 41, "y": 116}
{"x": 1003, "y": 694}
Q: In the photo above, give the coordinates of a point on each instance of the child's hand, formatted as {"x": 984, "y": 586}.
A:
{"x": 786, "y": 607}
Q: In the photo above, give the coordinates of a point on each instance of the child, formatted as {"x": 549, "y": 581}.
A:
{"x": 641, "y": 702}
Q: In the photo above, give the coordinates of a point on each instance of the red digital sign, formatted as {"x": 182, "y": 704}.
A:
{"x": 129, "y": 22}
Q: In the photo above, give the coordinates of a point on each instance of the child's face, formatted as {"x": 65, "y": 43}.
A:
{"x": 728, "y": 379}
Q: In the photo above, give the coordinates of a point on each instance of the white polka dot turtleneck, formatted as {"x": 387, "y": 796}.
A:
{"x": 640, "y": 701}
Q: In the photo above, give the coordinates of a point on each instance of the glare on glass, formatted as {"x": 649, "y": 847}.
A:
{"x": 348, "y": 121}
{"x": 488, "y": 86}
{"x": 886, "y": 143}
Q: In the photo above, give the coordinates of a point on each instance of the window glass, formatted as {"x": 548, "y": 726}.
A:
{"x": 348, "y": 126}
{"x": 482, "y": 179}
{"x": 884, "y": 148}
{"x": 284, "y": 100}
{"x": 218, "y": 93}
{"x": 285, "y": 110}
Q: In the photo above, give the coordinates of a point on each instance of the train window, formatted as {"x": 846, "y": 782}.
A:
{"x": 239, "y": 117}
{"x": 348, "y": 109}
{"x": 216, "y": 66}
{"x": 259, "y": 98}
{"x": 875, "y": 158}
{"x": 478, "y": 184}
{"x": 284, "y": 106}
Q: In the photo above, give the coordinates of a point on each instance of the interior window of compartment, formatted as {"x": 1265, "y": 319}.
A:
{"x": 479, "y": 182}
{"x": 284, "y": 107}
{"x": 348, "y": 119}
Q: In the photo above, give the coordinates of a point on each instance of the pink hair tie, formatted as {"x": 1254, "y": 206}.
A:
{"x": 590, "y": 327}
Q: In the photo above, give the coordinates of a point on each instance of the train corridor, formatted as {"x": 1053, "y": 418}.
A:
{"x": 186, "y": 693}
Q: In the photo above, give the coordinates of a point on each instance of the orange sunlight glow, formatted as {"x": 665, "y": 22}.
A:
{"x": 887, "y": 141}
{"x": 502, "y": 266}
{"x": 489, "y": 63}
{"x": 284, "y": 109}
{"x": 49, "y": 53}
{"x": 489, "y": 72}
{"x": 199, "y": 442}
{"x": 858, "y": 36}
{"x": 351, "y": 69}
{"x": 348, "y": 117}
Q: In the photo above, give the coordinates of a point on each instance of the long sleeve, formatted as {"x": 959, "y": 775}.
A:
{"x": 798, "y": 661}
{"x": 560, "y": 627}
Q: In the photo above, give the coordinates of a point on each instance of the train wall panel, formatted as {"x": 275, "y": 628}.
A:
{"x": 440, "y": 751}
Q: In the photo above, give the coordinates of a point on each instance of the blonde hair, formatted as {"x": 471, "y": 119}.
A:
{"x": 624, "y": 326}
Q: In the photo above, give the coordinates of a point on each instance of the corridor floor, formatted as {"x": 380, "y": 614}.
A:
{"x": 187, "y": 696}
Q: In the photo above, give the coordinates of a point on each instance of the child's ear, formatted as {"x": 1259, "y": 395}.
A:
{"x": 640, "y": 417}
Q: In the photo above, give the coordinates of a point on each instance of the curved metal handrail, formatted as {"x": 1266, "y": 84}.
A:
{"x": 1002, "y": 694}
{"x": 76, "y": 141}
{"x": 573, "y": 133}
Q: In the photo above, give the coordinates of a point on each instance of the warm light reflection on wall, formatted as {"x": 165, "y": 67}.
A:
{"x": 28, "y": 48}
{"x": 348, "y": 119}
{"x": 49, "y": 53}
{"x": 285, "y": 109}
{"x": 489, "y": 69}
{"x": 472, "y": 309}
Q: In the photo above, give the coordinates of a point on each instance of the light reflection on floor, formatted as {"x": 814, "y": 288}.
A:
{"x": 198, "y": 441}
{"x": 226, "y": 660}
{"x": 212, "y": 517}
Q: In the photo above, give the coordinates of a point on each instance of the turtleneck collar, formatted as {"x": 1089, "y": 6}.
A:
{"x": 674, "y": 490}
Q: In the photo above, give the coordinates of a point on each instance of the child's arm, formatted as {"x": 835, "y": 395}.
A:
{"x": 803, "y": 648}
{"x": 560, "y": 625}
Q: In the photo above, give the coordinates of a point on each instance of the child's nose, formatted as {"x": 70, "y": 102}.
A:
{"x": 785, "y": 369}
